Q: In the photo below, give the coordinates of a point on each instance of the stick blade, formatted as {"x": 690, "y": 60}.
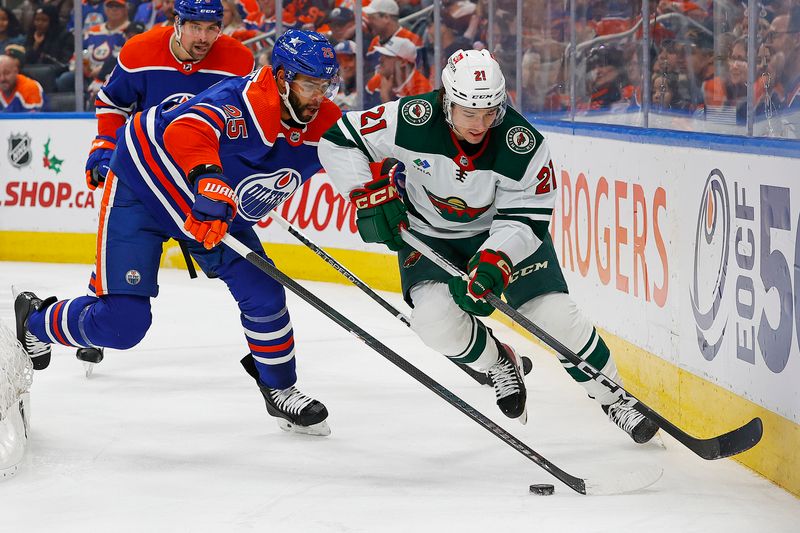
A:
{"x": 628, "y": 482}
{"x": 735, "y": 442}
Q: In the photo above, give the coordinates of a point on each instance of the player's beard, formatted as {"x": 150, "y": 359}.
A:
{"x": 302, "y": 111}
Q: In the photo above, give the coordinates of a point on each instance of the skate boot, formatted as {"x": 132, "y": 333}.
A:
{"x": 293, "y": 410}
{"x": 90, "y": 357}
{"x": 509, "y": 386}
{"x": 26, "y": 303}
{"x": 639, "y": 427}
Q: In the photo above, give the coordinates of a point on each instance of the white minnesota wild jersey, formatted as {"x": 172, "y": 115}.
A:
{"x": 507, "y": 186}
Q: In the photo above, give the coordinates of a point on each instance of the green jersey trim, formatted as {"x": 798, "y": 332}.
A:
{"x": 337, "y": 137}
{"x": 357, "y": 138}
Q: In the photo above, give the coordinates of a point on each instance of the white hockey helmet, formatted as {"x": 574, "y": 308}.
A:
{"x": 472, "y": 79}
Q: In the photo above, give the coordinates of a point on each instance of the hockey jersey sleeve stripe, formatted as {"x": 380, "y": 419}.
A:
{"x": 201, "y": 119}
{"x": 337, "y": 137}
{"x": 103, "y": 100}
{"x": 144, "y": 143}
{"x": 526, "y": 211}
{"x": 215, "y": 116}
{"x": 539, "y": 227}
{"x": 357, "y": 138}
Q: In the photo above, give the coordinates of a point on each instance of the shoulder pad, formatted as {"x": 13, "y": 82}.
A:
{"x": 148, "y": 49}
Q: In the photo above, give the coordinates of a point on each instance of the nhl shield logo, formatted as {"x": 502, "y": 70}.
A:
{"x": 417, "y": 112}
{"x": 19, "y": 150}
{"x": 520, "y": 139}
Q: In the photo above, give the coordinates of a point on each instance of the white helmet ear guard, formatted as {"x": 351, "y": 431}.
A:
{"x": 473, "y": 80}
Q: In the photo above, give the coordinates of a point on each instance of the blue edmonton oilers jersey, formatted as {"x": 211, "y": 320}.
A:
{"x": 235, "y": 124}
{"x": 148, "y": 74}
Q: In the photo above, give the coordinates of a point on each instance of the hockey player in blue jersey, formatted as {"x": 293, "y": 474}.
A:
{"x": 165, "y": 64}
{"x": 216, "y": 163}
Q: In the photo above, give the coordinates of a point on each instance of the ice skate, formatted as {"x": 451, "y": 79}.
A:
{"x": 90, "y": 357}
{"x": 296, "y": 412}
{"x": 24, "y": 304}
{"x": 639, "y": 427}
{"x": 509, "y": 386}
{"x": 293, "y": 410}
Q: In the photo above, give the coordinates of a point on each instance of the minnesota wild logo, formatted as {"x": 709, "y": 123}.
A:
{"x": 51, "y": 161}
{"x": 417, "y": 112}
{"x": 454, "y": 209}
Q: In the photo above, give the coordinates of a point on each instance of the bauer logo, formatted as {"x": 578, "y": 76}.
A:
{"x": 711, "y": 251}
{"x": 133, "y": 277}
{"x": 417, "y": 112}
{"x": 260, "y": 193}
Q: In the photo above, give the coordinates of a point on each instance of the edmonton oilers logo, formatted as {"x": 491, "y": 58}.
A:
{"x": 133, "y": 277}
{"x": 177, "y": 98}
{"x": 260, "y": 193}
{"x": 712, "y": 242}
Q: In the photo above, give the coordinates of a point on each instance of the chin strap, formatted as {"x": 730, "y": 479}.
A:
{"x": 290, "y": 107}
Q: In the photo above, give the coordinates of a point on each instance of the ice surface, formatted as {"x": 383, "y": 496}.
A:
{"x": 173, "y": 436}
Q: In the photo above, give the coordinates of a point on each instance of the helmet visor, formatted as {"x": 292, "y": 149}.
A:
{"x": 309, "y": 87}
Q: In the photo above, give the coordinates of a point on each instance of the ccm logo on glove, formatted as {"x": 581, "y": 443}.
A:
{"x": 374, "y": 198}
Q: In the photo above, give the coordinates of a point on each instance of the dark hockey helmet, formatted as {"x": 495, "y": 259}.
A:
{"x": 203, "y": 10}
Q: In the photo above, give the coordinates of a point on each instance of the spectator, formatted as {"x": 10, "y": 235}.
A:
{"x": 605, "y": 78}
{"x": 46, "y": 41}
{"x": 342, "y": 24}
{"x": 262, "y": 20}
{"x": 150, "y": 13}
{"x": 348, "y": 92}
{"x": 791, "y": 70}
{"x": 397, "y": 74}
{"x": 92, "y": 12}
{"x": 100, "y": 43}
{"x": 700, "y": 66}
{"x": 131, "y": 30}
{"x": 10, "y": 32}
{"x": 232, "y": 23}
{"x": 17, "y": 53}
{"x": 383, "y": 22}
{"x": 452, "y": 41}
{"x": 730, "y": 90}
{"x": 18, "y": 93}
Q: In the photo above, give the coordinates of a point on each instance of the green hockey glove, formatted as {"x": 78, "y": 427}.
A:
{"x": 380, "y": 211}
{"x": 488, "y": 271}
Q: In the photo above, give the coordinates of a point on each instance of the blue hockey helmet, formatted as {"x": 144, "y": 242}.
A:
{"x": 306, "y": 52}
{"x": 203, "y": 10}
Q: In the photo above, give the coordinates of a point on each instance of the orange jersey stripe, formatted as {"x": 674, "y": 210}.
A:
{"x": 148, "y": 157}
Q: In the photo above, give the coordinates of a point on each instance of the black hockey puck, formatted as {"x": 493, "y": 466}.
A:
{"x": 542, "y": 489}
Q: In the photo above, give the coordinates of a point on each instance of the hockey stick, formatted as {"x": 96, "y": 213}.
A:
{"x": 734, "y": 442}
{"x": 629, "y": 482}
{"x": 480, "y": 377}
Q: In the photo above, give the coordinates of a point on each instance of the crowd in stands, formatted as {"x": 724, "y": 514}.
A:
{"x": 698, "y": 59}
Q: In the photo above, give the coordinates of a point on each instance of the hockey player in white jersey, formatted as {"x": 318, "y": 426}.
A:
{"x": 474, "y": 180}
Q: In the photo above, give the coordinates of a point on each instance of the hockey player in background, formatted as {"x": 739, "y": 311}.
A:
{"x": 165, "y": 64}
{"x": 474, "y": 180}
{"x": 218, "y": 162}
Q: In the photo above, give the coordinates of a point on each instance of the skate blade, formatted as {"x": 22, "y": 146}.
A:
{"x": 320, "y": 429}
{"x": 523, "y": 418}
{"x": 88, "y": 369}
